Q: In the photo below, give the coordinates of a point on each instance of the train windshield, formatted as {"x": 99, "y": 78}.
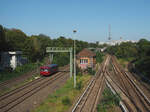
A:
{"x": 44, "y": 69}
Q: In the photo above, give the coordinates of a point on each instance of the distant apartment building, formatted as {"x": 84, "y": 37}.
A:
{"x": 86, "y": 58}
{"x": 115, "y": 42}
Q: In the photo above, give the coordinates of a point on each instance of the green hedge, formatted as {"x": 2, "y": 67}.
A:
{"x": 20, "y": 70}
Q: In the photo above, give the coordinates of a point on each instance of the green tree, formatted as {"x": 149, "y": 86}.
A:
{"x": 35, "y": 47}
{"x": 15, "y": 39}
{"x": 2, "y": 39}
{"x": 143, "y": 47}
{"x": 99, "y": 57}
{"x": 140, "y": 52}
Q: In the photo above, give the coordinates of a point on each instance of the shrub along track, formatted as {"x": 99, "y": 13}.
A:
{"x": 126, "y": 83}
{"x": 19, "y": 95}
{"x": 89, "y": 99}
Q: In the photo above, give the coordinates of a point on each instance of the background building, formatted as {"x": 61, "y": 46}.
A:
{"x": 11, "y": 59}
{"x": 86, "y": 58}
{"x": 115, "y": 42}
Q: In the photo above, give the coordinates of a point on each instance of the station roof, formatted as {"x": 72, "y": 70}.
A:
{"x": 86, "y": 52}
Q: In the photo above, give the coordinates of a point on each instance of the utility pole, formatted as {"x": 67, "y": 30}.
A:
{"x": 74, "y": 31}
{"x": 71, "y": 63}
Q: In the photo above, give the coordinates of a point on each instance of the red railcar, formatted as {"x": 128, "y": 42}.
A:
{"x": 48, "y": 70}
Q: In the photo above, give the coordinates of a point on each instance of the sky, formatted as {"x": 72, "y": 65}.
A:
{"x": 129, "y": 19}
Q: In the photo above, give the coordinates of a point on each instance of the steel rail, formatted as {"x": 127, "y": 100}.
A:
{"x": 140, "y": 91}
{"x": 86, "y": 90}
{"x": 137, "y": 92}
{"x": 31, "y": 94}
{"x": 19, "y": 88}
{"x": 118, "y": 85}
{"x": 137, "y": 88}
{"x": 75, "y": 107}
{"x": 98, "y": 93}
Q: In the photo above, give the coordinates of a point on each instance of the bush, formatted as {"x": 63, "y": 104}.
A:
{"x": 108, "y": 101}
{"x": 79, "y": 85}
{"x": 78, "y": 70}
{"x": 8, "y": 69}
{"x": 20, "y": 70}
{"x": 90, "y": 71}
{"x": 99, "y": 57}
{"x": 79, "y": 74}
{"x": 110, "y": 97}
{"x": 66, "y": 101}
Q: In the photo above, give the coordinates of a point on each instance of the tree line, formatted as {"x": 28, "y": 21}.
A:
{"x": 138, "y": 53}
{"x": 34, "y": 46}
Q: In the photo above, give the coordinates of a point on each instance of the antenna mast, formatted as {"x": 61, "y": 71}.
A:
{"x": 109, "y": 38}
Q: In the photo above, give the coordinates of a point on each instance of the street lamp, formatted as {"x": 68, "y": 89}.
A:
{"x": 74, "y": 31}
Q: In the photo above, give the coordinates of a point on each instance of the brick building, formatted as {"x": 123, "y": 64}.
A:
{"x": 86, "y": 58}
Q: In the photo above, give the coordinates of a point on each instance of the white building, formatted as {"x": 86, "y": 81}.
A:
{"x": 10, "y": 59}
{"x": 115, "y": 42}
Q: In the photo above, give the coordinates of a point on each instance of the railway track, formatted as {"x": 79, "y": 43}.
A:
{"x": 132, "y": 91}
{"x": 21, "y": 87}
{"x": 17, "y": 96}
{"x": 120, "y": 82}
{"x": 22, "y": 78}
{"x": 138, "y": 82}
{"x": 116, "y": 88}
{"x": 89, "y": 99}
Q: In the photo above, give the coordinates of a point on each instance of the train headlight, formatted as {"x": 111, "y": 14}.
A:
{"x": 45, "y": 70}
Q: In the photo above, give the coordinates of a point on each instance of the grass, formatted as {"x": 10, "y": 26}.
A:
{"x": 20, "y": 70}
{"x": 62, "y": 99}
{"x": 124, "y": 61}
{"x": 108, "y": 102}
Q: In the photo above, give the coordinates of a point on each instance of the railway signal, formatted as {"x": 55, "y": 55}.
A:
{"x": 61, "y": 49}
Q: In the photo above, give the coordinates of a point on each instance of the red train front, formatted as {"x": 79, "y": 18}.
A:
{"x": 48, "y": 70}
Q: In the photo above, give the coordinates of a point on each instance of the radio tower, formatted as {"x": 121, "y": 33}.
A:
{"x": 109, "y": 38}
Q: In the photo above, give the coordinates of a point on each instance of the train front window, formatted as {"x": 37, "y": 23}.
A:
{"x": 44, "y": 70}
